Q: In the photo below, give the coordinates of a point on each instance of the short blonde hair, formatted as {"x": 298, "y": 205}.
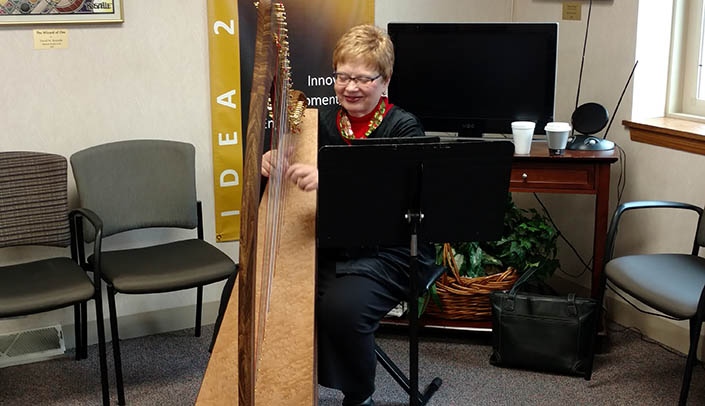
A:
{"x": 369, "y": 44}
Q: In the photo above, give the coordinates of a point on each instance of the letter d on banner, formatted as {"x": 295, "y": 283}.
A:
{"x": 226, "y": 118}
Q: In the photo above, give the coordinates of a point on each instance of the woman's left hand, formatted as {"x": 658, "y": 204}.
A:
{"x": 304, "y": 176}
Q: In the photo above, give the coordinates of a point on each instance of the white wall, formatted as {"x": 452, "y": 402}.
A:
{"x": 145, "y": 78}
{"x": 148, "y": 78}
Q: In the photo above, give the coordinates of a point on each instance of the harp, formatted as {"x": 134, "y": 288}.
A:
{"x": 264, "y": 352}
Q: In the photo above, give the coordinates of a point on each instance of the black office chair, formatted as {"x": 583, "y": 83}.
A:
{"x": 410, "y": 385}
{"x": 138, "y": 184}
{"x": 34, "y": 212}
{"x": 671, "y": 283}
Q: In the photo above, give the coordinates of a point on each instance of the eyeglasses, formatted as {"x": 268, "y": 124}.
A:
{"x": 343, "y": 79}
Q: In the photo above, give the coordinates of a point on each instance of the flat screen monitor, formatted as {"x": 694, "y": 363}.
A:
{"x": 474, "y": 79}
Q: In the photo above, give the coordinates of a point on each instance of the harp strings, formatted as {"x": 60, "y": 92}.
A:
{"x": 281, "y": 147}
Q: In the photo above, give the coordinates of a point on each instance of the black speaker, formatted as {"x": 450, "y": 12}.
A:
{"x": 589, "y": 119}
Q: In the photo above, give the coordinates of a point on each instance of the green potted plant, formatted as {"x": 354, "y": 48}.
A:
{"x": 528, "y": 242}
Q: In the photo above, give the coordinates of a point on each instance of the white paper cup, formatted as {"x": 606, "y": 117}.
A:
{"x": 557, "y": 134}
{"x": 522, "y": 134}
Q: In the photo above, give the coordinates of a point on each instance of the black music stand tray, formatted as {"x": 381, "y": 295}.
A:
{"x": 400, "y": 193}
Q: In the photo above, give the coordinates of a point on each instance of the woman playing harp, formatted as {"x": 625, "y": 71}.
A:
{"x": 356, "y": 288}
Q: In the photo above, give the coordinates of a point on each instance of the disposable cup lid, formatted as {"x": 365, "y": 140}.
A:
{"x": 523, "y": 125}
{"x": 557, "y": 126}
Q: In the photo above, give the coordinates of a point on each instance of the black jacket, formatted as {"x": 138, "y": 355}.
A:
{"x": 387, "y": 265}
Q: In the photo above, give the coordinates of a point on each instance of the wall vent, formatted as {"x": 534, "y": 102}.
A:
{"x": 28, "y": 346}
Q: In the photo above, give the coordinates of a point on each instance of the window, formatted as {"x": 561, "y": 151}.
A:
{"x": 666, "y": 42}
{"x": 687, "y": 74}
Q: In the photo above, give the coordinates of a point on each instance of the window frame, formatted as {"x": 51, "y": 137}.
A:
{"x": 684, "y": 66}
{"x": 657, "y": 118}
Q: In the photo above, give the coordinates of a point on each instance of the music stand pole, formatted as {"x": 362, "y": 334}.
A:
{"x": 414, "y": 220}
{"x": 414, "y": 216}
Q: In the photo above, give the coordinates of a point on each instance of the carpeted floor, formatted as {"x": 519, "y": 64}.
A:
{"x": 167, "y": 369}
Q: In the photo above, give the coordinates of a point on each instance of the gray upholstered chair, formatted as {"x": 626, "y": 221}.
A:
{"x": 34, "y": 212}
{"x": 672, "y": 283}
{"x": 139, "y": 184}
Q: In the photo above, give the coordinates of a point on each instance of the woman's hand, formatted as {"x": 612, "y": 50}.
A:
{"x": 267, "y": 163}
{"x": 304, "y": 176}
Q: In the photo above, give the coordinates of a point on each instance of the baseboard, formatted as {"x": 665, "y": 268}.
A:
{"x": 148, "y": 323}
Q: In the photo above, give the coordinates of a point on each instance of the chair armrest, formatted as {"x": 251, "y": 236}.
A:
{"x": 76, "y": 216}
{"x": 640, "y": 204}
{"x": 199, "y": 213}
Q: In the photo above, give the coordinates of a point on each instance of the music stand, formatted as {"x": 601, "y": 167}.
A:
{"x": 396, "y": 194}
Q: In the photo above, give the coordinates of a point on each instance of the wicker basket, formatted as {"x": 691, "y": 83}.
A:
{"x": 463, "y": 298}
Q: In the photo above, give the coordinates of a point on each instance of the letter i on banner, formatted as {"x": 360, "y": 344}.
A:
{"x": 226, "y": 118}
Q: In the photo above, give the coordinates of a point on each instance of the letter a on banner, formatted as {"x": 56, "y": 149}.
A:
{"x": 226, "y": 118}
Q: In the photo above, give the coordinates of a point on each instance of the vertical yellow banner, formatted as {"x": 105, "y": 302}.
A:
{"x": 226, "y": 119}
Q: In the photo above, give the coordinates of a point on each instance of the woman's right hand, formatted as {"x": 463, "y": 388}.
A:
{"x": 267, "y": 163}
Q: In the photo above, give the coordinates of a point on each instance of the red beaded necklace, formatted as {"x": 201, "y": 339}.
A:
{"x": 346, "y": 128}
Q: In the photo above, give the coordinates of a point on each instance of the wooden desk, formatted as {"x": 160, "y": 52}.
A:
{"x": 574, "y": 172}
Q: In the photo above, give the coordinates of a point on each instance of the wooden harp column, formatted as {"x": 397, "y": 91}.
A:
{"x": 274, "y": 365}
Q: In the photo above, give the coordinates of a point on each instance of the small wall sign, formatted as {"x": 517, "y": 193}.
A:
{"x": 571, "y": 10}
{"x": 51, "y": 38}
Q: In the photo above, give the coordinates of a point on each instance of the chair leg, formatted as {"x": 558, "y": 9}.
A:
{"x": 695, "y": 327}
{"x": 102, "y": 352}
{"x": 77, "y": 330}
{"x": 199, "y": 308}
{"x": 116, "y": 346}
{"x": 84, "y": 329}
{"x": 223, "y": 307}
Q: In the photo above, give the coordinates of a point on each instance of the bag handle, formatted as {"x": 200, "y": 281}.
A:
{"x": 509, "y": 304}
{"x": 523, "y": 278}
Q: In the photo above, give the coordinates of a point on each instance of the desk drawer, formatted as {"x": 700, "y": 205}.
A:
{"x": 557, "y": 177}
